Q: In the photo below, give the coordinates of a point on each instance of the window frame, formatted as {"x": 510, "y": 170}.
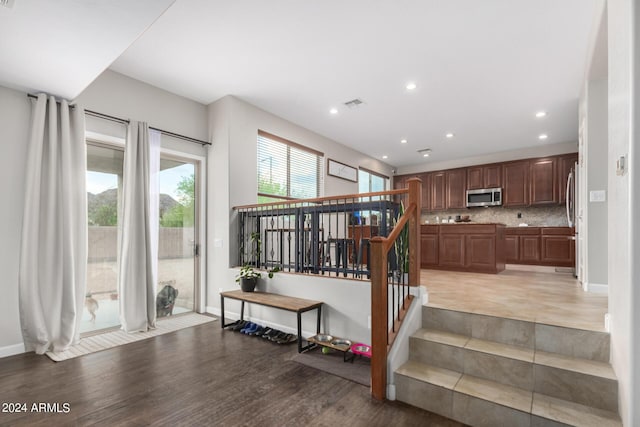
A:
{"x": 387, "y": 180}
{"x": 290, "y": 144}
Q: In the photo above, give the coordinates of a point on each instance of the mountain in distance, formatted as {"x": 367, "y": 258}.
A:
{"x": 109, "y": 198}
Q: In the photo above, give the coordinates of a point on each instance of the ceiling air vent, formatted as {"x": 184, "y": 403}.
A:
{"x": 7, "y": 3}
{"x": 426, "y": 152}
{"x": 354, "y": 103}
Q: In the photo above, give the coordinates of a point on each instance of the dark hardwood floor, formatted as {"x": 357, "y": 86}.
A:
{"x": 195, "y": 376}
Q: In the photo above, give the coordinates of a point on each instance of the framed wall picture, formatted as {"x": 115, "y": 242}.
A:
{"x": 341, "y": 170}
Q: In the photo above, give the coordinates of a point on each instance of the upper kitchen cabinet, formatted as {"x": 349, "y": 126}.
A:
{"x": 399, "y": 182}
{"x": 566, "y": 163}
{"x": 438, "y": 191}
{"x": 426, "y": 191}
{"x": 456, "y": 183}
{"x": 544, "y": 181}
{"x": 515, "y": 176}
{"x": 488, "y": 176}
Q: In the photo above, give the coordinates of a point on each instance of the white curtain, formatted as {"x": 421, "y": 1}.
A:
{"x": 53, "y": 255}
{"x": 138, "y": 239}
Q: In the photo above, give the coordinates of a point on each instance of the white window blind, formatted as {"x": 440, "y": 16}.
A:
{"x": 287, "y": 170}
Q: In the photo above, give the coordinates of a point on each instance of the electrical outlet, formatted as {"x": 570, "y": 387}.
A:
{"x": 519, "y": 214}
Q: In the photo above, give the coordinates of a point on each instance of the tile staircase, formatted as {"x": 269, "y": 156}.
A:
{"x": 491, "y": 371}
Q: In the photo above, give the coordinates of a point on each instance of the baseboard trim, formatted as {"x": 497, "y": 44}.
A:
{"x": 597, "y": 288}
{"x": 11, "y": 350}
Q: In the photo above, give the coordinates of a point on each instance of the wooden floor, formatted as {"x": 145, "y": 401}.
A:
{"x": 196, "y": 376}
{"x": 531, "y": 293}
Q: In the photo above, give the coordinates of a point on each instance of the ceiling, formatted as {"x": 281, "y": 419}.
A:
{"x": 482, "y": 68}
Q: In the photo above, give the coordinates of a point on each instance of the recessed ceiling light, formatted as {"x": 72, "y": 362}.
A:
{"x": 411, "y": 86}
{"x": 403, "y": 141}
{"x": 334, "y": 111}
{"x": 541, "y": 114}
{"x": 543, "y": 136}
{"x": 425, "y": 155}
{"x": 385, "y": 157}
{"x": 449, "y": 135}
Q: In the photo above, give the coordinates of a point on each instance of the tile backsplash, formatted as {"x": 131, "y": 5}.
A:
{"x": 537, "y": 216}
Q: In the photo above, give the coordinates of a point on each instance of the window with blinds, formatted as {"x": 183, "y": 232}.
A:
{"x": 287, "y": 170}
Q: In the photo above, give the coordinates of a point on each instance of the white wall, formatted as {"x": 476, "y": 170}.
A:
{"x": 121, "y": 96}
{"x": 502, "y": 156}
{"x": 111, "y": 93}
{"x": 596, "y": 162}
{"x": 15, "y": 114}
{"x": 624, "y": 206}
{"x": 233, "y": 182}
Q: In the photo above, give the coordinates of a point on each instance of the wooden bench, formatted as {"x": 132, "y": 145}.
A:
{"x": 282, "y": 302}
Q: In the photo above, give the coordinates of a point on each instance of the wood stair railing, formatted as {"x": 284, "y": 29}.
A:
{"x": 381, "y": 335}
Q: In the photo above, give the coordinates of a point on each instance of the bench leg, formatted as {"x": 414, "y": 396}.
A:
{"x": 222, "y": 324}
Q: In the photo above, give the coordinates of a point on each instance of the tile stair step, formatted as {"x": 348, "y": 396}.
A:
{"x": 579, "y": 343}
{"x": 482, "y": 402}
{"x": 583, "y": 381}
{"x": 579, "y": 365}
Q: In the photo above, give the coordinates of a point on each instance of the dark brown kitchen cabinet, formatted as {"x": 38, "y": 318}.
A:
{"x": 455, "y": 186}
{"x": 558, "y": 246}
{"x": 451, "y": 250}
{"x": 529, "y": 249}
{"x": 438, "y": 191}
{"x": 480, "y": 251}
{"x": 515, "y": 177}
{"x": 552, "y": 246}
{"x": 468, "y": 247}
{"x": 429, "y": 246}
{"x": 544, "y": 181}
{"x": 566, "y": 163}
{"x": 488, "y": 176}
{"x": 512, "y": 249}
{"x": 475, "y": 180}
{"x": 492, "y": 176}
{"x": 426, "y": 191}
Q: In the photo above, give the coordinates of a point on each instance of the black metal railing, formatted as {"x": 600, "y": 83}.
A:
{"x": 328, "y": 236}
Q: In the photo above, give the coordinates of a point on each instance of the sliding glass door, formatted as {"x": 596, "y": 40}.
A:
{"x": 104, "y": 189}
{"x": 178, "y": 266}
{"x": 177, "y": 242}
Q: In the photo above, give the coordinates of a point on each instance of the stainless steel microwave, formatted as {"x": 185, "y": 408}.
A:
{"x": 484, "y": 197}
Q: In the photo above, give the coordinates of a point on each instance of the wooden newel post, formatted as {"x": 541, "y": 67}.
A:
{"x": 415, "y": 197}
{"x": 379, "y": 326}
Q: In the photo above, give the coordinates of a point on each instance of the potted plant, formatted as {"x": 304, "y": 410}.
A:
{"x": 248, "y": 278}
{"x": 401, "y": 247}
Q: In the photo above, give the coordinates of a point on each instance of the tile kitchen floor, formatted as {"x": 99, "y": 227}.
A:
{"x": 531, "y": 293}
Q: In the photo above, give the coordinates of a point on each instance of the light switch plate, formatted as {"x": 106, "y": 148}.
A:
{"x": 597, "y": 196}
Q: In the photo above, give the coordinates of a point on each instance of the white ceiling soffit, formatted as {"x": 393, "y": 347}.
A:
{"x": 61, "y": 46}
{"x": 482, "y": 68}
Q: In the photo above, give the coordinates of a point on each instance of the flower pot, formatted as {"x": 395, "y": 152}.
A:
{"x": 248, "y": 284}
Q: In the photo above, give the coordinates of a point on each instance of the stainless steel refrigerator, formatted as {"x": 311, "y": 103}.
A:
{"x": 572, "y": 204}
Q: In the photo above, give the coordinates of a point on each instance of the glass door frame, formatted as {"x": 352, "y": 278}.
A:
{"x": 199, "y": 162}
{"x": 199, "y": 303}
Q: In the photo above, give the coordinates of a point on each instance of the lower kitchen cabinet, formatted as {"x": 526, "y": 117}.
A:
{"x": 463, "y": 247}
{"x": 429, "y": 248}
{"x": 551, "y": 246}
{"x": 530, "y": 249}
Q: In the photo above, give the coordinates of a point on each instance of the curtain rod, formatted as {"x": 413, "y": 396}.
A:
{"x": 126, "y": 121}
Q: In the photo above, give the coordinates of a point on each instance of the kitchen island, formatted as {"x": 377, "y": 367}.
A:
{"x": 472, "y": 247}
